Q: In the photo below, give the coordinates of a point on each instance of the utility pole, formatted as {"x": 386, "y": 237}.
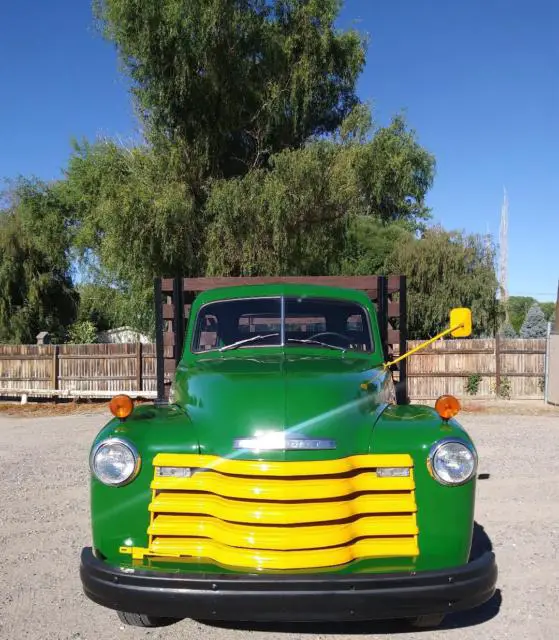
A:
{"x": 555, "y": 327}
{"x": 503, "y": 253}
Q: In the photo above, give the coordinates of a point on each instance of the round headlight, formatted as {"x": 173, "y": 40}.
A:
{"x": 452, "y": 462}
{"x": 115, "y": 462}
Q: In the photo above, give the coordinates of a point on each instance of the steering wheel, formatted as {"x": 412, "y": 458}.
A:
{"x": 331, "y": 333}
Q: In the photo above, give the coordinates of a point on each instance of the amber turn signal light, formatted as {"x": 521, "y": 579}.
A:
{"x": 447, "y": 407}
{"x": 121, "y": 406}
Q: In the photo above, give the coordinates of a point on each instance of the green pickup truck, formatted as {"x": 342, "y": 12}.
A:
{"x": 281, "y": 481}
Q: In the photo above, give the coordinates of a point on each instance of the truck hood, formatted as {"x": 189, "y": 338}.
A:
{"x": 292, "y": 396}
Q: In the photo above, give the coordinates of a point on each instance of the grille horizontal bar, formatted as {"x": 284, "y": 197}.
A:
{"x": 282, "y": 469}
{"x": 282, "y": 538}
{"x": 281, "y": 512}
{"x": 269, "y": 489}
{"x": 271, "y": 559}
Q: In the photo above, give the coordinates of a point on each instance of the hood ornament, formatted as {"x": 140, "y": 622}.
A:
{"x": 282, "y": 441}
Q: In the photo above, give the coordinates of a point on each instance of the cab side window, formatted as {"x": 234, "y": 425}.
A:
{"x": 209, "y": 330}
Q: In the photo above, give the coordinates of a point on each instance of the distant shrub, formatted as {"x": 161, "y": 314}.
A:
{"x": 505, "y": 389}
{"x": 472, "y": 384}
{"x": 535, "y": 324}
{"x": 83, "y": 332}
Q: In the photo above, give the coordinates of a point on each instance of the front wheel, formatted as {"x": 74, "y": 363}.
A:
{"x": 429, "y": 621}
{"x": 142, "y": 620}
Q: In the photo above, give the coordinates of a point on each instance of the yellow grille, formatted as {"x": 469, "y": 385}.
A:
{"x": 282, "y": 515}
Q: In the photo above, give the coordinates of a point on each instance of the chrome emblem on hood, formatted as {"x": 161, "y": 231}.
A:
{"x": 280, "y": 440}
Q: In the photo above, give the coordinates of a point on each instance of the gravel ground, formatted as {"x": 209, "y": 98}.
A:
{"x": 45, "y": 522}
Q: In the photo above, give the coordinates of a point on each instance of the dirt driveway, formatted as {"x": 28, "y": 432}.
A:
{"x": 45, "y": 522}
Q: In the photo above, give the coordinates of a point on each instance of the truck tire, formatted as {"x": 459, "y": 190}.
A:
{"x": 429, "y": 621}
{"x": 142, "y": 620}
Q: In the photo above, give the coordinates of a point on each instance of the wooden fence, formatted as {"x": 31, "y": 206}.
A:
{"x": 512, "y": 368}
{"x": 101, "y": 370}
{"x": 89, "y": 370}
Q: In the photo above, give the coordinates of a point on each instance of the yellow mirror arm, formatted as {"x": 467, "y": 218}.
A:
{"x": 422, "y": 345}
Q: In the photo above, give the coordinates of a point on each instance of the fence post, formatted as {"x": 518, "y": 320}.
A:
{"x": 54, "y": 369}
{"x": 138, "y": 366}
{"x": 498, "y": 365}
{"x": 546, "y": 362}
{"x": 382, "y": 313}
{"x": 178, "y": 321}
{"x": 403, "y": 327}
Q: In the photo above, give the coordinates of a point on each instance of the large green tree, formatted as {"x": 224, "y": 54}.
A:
{"x": 259, "y": 158}
{"x": 447, "y": 269}
{"x": 36, "y": 290}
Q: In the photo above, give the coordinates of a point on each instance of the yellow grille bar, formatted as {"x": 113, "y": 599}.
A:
{"x": 264, "y": 489}
{"x": 260, "y": 559}
{"x": 282, "y": 538}
{"x": 281, "y": 512}
{"x": 282, "y": 469}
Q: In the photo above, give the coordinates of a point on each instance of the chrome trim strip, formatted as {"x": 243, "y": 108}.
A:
{"x": 285, "y": 444}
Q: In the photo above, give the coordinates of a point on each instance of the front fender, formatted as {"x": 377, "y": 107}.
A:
{"x": 445, "y": 515}
{"x": 119, "y": 515}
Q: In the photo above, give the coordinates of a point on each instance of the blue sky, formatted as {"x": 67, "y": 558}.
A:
{"x": 477, "y": 79}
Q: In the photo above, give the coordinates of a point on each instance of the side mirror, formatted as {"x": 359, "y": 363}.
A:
{"x": 460, "y": 327}
{"x": 461, "y": 322}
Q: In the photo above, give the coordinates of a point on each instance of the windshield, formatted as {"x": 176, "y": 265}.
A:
{"x": 257, "y": 322}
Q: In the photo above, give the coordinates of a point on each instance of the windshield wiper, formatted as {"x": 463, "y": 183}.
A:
{"x": 322, "y": 344}
{"x": 239, "y": 343}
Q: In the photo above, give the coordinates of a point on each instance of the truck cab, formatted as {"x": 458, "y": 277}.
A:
{"x": 281, "y": 481}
